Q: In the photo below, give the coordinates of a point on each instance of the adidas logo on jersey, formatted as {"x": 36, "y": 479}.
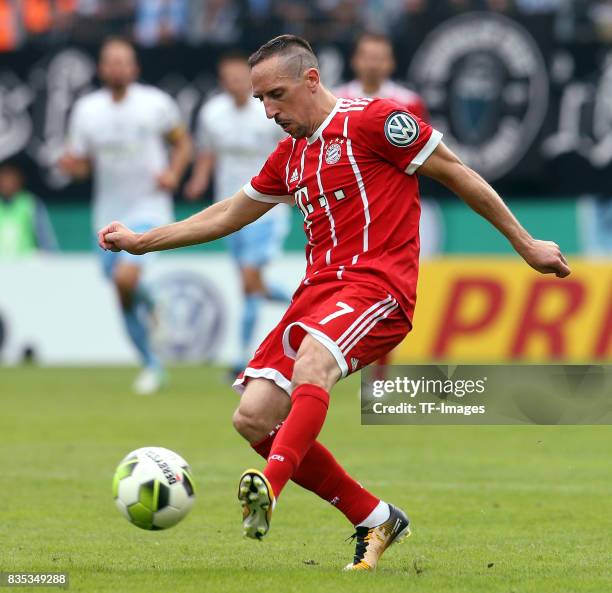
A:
{"x": 294, "y": 176}
{"x": 354, "y": 363}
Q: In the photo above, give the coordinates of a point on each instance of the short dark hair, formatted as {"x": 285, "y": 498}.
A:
{"x": 287, "y": 45}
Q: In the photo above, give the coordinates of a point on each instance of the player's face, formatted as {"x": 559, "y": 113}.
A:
{"x": 118, "y": 67}
{"x": 10, "y": 181}
{"x": 234, "y": 76}
{"x": 286, "y": 98}
{"x": 373, "y": 61}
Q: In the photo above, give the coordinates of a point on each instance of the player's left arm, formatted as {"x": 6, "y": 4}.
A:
{"x": 181, "y": 153}
{"x": 445, "y": 167}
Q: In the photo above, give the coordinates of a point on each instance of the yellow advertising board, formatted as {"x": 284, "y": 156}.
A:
{"x": 499, "y": 309}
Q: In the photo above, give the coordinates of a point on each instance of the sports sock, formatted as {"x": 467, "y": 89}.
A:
{"x": 320, "y": 473}
{"x": 250, "y": 312}
{"x": 277, "y": 293}
{"x": 379, "y": 515}
{"x": 138, "y": 331}
{"x": 296, "y": 436}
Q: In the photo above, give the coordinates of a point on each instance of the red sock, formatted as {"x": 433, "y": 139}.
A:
{"x": 320, "y": 473}
{"x": 297, "y": 434}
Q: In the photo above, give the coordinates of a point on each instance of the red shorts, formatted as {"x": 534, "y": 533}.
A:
{"x": 357, "y": 322}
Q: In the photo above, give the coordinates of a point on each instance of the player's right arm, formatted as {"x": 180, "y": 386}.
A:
{"x": 75, "y": 161}
{"x": 219, "y": 220}
{"x": 200, "y": 178}
{"x": 205, "y": 160}
{"x": 445, "y": 167}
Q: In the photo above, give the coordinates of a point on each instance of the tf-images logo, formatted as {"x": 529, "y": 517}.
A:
{"x": 485, "y": 84}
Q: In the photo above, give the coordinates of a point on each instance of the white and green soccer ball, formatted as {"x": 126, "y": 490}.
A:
{"x": 153, "y": 488}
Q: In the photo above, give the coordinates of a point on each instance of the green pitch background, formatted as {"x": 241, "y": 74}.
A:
{"x": 509, "y": 510}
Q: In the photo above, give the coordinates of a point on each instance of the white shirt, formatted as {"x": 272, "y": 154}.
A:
{"x": 125, "y": 141}
{"x": 241, "y": 139}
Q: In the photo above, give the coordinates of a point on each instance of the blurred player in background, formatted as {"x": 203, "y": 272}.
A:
{"x": 234, "y": 138}
{"x": 24, "y": 221}
{"x": 350, "y": 167}
{"x": 373, "y": 63}
{"x": 120, "y": 134}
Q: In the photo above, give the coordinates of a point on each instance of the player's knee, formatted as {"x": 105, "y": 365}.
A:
{"x": 314, "y": 364}
{"x": 249, "y": 424}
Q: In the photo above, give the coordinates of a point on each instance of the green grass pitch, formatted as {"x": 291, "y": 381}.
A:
{"x": 522, "y": 509}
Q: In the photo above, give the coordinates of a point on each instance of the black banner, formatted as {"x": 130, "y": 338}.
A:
{"x": 532, "y": 115}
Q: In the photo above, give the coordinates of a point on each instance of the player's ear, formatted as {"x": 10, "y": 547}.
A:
{"x": 312, "y": 78}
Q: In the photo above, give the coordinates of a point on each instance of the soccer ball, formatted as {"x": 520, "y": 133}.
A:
{"x": 153, "y": 488}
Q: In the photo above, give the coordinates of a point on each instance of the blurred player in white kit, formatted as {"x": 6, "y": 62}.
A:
{"x": 234, "y": 138}
{"x": 130, "y": 137}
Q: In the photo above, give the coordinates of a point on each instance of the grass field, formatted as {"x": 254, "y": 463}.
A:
{"x": 521, "y": 509}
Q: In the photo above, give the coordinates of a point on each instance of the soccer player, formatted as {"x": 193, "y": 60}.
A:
{"x": 120, "y": 133}
{"x": 234, "y": 138}
{"x": 350, "y": 166}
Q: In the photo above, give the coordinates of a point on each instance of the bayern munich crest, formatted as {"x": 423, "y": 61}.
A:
{"x": 333, "y": 153}
{"x": 401, "y": 129}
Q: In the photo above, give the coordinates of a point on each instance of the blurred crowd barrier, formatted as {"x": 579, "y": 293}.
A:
{"x": 57, "y": 309}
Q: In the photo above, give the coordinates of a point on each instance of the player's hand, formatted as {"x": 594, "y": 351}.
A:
{"x": 73, "y": 166}
{"x": 168, "y": 180}
{"x": 117, "y": 237}
{"x": 194, "y": 188}
{"x": 546, "y": 258}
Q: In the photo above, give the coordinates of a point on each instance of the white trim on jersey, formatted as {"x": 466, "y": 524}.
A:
{"x": 364, "y": 329}
{"x": 319, "y": 130}
{"x": 250, "y": 191}
{"x": 332, "y": 224}
{"x": 320, "y": 337}
{"x": 425, "y": 152}
{"x": 277, "y": 377}
{"x": 360, "y": 184}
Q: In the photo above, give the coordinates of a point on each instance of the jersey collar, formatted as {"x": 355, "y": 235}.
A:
{"x": 319, "y": 130}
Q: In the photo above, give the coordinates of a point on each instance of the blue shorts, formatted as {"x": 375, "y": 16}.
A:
{"x": 110, "y": 259}
{"x": 256, "y": 244}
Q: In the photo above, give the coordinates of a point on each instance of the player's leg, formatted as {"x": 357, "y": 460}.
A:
{"x": 314, "y": 374}
{"x": 252, "y": 248}
{"x": 263, "y": 407}
{"x": 315, "y": 469}
{"x": 136, "y": 305}
{"x": 252, "y": 294}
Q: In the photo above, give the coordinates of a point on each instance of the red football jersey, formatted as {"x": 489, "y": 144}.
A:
{"x": 354, "y": 182}
{"x": 388, "y": 90}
